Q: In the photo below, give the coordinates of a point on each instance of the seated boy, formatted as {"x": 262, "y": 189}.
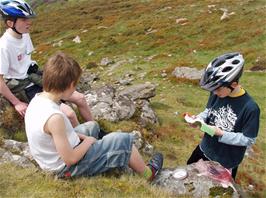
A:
{"x": 20, "y": 79}
{"x": 58, "y": 148}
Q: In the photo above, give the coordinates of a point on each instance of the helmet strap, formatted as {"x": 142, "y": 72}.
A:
{"x": 14, "y": 28}
{"x": 231, "y": 88}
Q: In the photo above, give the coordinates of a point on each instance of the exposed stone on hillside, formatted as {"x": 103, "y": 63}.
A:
{"x": 195, "y": 184}
{"x": 140, "y": 91}
{"x": 112, "y": 105}
{"x": 17, "y": 153}
{"x": 106, "y": 61}
{"x": 86, "y": 80}
{"x": 106, "y": 103}
{"x": 188, "y": 72}
{"x": 142, "y": 144}
{"x": 147, "y": 116}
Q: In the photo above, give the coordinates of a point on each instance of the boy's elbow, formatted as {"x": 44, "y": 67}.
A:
{"x": 70, "y": 161}
{"x": 251, "y": 141}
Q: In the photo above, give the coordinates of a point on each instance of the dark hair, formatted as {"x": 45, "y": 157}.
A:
{"x": 7, "y": 18}
{"x": 60, "y": 72}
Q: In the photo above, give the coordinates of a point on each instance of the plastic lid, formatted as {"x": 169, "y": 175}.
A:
{"x": 180, "y": 174}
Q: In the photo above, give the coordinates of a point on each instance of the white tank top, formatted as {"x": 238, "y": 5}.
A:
{"x": 41, "y": 144}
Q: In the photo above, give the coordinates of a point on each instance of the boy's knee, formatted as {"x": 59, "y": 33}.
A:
{"x": 94, "y": 126}
{"x": 71, "y": 115}
{"x": 69, "y": 112}
{"x": 80, "y": 99}
{"x": 90, "y": 128}
{"x": 119, "y": 137}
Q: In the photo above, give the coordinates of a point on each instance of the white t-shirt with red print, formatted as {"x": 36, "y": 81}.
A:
{"x": 15, "y": 55}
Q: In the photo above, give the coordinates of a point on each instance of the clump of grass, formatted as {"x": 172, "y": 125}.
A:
{"x": 220, "y": 191}
{"x": 11, "y": 122}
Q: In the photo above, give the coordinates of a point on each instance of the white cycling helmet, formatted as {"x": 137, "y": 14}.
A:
{"x": 16, "y": 9}
{"x": 222, "y": 71}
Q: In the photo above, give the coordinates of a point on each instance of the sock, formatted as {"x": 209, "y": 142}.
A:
{"x": 147, "y": 174}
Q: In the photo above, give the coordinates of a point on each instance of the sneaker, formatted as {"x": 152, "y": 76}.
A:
{"x": 102, "y": 133}
{"x": 155, "y": 164}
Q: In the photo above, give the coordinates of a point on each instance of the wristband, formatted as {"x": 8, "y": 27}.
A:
{"x": 207, "y": 129}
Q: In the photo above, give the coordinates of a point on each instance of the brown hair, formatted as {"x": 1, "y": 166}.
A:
{"x": 59, "y": 72}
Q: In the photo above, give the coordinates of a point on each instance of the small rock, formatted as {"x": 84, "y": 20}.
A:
{"x": 106, "y": 61}
{"x": 250, "y": 187}
{"x": 181, "y": 21}
{"x": 77, "y": 39}
{"x": 90, "y": 53}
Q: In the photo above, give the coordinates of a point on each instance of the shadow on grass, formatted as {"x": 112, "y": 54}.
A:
{"x": 159, "y": 105}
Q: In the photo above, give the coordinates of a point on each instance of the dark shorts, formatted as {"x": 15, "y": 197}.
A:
{"x": 25, "y": 89}
{"x": 32, "y": 91}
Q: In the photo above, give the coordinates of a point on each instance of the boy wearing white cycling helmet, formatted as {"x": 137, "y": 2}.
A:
{"x": 231, "y": 114}
{"x": 20, "y": 78}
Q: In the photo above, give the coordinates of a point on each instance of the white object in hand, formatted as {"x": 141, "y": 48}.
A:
{"x": 192, "y": 120}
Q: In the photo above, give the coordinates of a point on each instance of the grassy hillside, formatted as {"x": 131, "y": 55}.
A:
{"x": 146, "y": 36}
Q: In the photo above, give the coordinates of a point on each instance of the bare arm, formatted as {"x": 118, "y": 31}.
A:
{"x": 5, "y": 91}
{"x": 55, "y": 126}
{"x": 79, "y": 99}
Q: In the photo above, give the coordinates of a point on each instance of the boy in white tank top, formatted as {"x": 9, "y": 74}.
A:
{"x": 59, "y": 149}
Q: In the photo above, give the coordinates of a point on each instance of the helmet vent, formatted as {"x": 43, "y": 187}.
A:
{"x": 227, "y": 69}
{"x": 5, "y": 2}
{"x": 22, "y": 8}
{"x": 215, "y": 79}
{"x": 235, "y": 62}
{"x": 230, "y": 56}
{"x": 217, "y": 62}
{"x": 27, "y": 7}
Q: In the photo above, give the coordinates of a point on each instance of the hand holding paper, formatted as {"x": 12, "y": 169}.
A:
{"x": 199, "y": 122}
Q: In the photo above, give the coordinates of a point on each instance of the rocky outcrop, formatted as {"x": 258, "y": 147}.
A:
{"x": 113, "y": 105}
{"x": 140, "y": 91}
{"x": 107, "y": 102}
{"x": 16, "y": 152}
{"x": 192, "y": 182}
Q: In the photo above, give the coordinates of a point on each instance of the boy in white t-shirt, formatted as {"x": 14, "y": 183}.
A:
{"x": 20, "y": 79}
{"x": 59, "y": 149}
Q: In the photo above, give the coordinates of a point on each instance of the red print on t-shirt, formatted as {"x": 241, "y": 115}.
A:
{"x": 19, "y": 57}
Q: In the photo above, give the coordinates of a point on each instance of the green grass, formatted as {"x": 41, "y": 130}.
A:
{"x": 32, "y": 183}
{"x": 119, "y": 30}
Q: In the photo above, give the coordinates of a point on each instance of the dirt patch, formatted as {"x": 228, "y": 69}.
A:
{"x": 259, "y": 65}
{"x": 258, "y": 68}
